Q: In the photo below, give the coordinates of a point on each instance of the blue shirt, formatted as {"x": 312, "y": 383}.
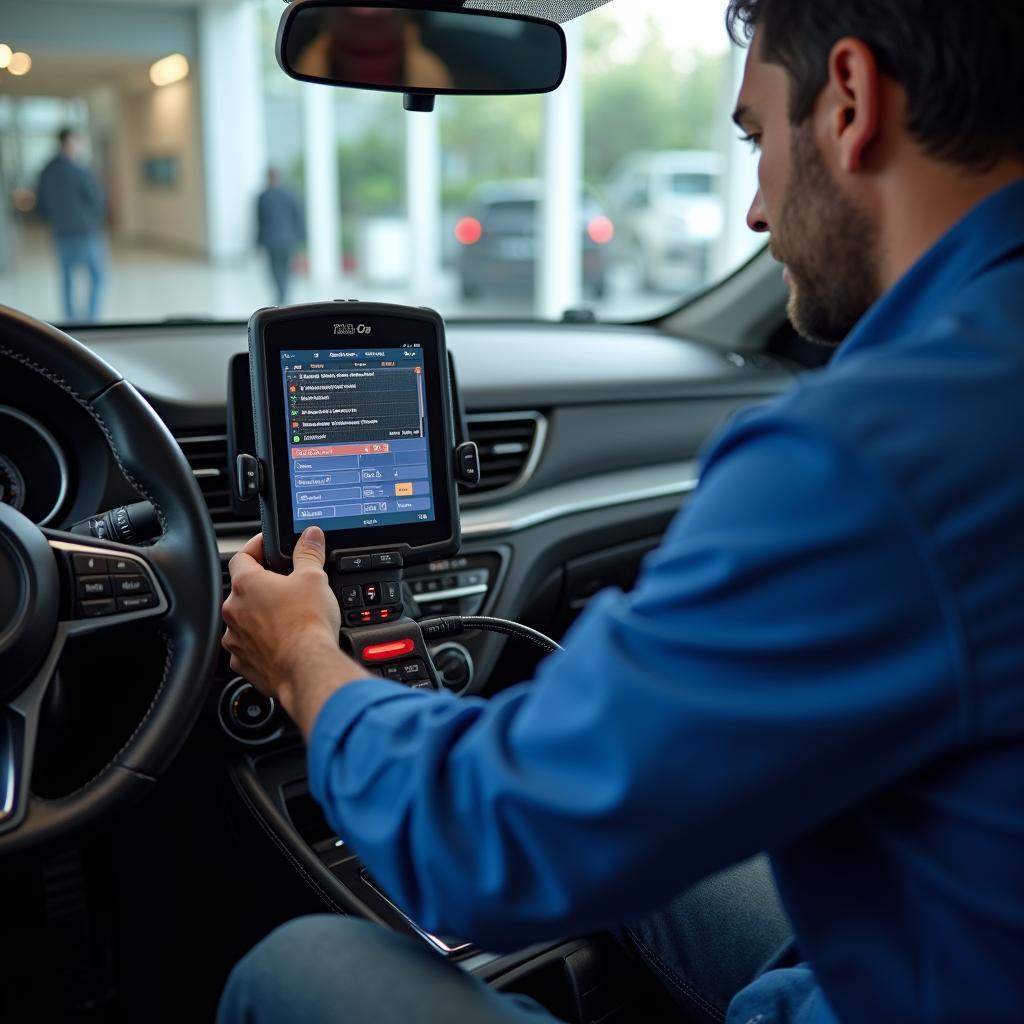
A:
{"x": 70, "y": 198}
{"x": 824, "y": 660}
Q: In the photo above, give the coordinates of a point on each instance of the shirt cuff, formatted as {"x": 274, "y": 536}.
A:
{"x": 340, "y": 712}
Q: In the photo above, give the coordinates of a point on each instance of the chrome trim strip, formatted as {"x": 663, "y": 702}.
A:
{"x": 484, "y": 524}
{"x": 208, "y": 472}
{"x": 450, "y": 595}
{"x": 201, "y": 439}
{"x": 533, "y": 459}
{"x": 50, "y": 441}
{"x": 623, "y": 488}
{"x": 439, "y": 944}
{"x": 8, "y": 770}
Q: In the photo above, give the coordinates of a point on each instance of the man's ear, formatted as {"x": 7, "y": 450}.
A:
{"x": 853, "y": 98}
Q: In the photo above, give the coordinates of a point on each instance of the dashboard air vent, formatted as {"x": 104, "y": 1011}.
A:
{"x": 509, "y": 444}
{"x": 207, "y": 454}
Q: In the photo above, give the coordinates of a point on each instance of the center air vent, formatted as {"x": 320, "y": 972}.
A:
{"x": 510, "y": 445}
{"x": 207, "y": 454}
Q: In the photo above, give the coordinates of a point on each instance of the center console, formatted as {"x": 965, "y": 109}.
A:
{"x": 355, "y": 430}
{"x": 346, "y": 416}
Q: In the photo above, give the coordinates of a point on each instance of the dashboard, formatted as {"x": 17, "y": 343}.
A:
{"x": 589, "y": 438}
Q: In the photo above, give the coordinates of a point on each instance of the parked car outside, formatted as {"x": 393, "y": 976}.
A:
{"x": 498, "y": 242}
{"x": 669, "y": 214}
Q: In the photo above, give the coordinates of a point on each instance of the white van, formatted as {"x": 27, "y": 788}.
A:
{"x": 669, "y": 214}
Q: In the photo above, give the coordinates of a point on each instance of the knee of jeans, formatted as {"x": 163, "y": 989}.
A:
{"x": 281, "y": 969}
{"x": 306, "y": 939}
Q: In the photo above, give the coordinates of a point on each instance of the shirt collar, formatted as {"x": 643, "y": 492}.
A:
{"x": 991, "y": 231}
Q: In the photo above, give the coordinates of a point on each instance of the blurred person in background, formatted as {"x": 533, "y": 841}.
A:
{"x": 280, "y": 230}
{"x": 70, "y": 198}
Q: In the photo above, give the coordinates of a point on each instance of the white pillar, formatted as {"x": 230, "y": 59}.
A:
{"x": 323, "y": 203}
{"x": 423, "y": 200}
{"x": 560, "y": 266}
{"x": 233, "y": 128}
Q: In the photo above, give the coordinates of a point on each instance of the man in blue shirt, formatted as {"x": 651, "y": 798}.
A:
{"x": 70, "y": 198}
{"x": 279, "y": 230}
{"x": 824, "y": 660}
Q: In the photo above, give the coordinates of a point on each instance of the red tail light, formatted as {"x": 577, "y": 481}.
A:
{"x": 469, "y": 231}
{"x": 601, "y": 230}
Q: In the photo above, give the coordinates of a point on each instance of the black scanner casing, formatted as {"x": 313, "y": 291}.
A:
{"x": 276, "y": 521}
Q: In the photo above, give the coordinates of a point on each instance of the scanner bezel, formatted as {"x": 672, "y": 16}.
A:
{"x": 275, "y": 330}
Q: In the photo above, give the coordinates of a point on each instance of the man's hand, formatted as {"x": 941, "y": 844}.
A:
{"x": 283, "y": 630}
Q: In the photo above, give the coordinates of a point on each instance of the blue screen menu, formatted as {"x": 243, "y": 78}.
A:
{"x": 358, "y": 437}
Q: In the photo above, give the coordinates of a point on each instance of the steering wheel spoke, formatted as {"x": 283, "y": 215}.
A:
{"x": 19, "y": 725}
{"x": 104, "y": 585}
{"x": 48, "y": 595}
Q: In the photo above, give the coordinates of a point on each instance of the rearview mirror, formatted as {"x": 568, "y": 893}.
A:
{"x": 425, "y": 50}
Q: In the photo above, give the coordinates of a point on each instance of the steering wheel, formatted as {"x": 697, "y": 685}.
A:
{"x": 175, "y": 582}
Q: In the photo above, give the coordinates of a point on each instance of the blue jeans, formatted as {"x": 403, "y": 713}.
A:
{"x": 704, "y": 946}
{"x": 280, "y": 260}
{"x": 90, "y": 252}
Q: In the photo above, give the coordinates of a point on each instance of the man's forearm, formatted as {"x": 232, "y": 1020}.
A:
{"x": 324, "y": 672}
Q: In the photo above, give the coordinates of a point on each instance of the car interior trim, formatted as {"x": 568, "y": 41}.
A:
{"x": 532, "y": 460}
{"x": 450, "y": 595}
{"x": 8, "y": 770}
{"x": 627, "y": 487}
{"x": 58, "y": 454}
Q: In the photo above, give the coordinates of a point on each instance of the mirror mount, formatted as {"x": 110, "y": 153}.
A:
{"x": 419, "y": 102}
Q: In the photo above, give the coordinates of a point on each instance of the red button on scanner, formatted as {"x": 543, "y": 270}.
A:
{"x": 385, "y": 652}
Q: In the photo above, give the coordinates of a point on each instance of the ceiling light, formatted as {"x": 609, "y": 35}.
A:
{"x": 6, "y": 53}
{"x": 168, "y": 70}
{"x": 21, "y": 63}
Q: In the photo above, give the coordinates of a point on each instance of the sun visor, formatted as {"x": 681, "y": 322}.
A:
{"x": 552, "y": 10}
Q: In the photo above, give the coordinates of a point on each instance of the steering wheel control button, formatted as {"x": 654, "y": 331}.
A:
{"x": 354, "y": 563}
{"x": 94, "y": 609}
{"x": 371, "y": 594}
{"x": 125, "y": 586}
{"x": 386, "y": 560}
{"x": 122, "y": 565}
{"x": 388, "y": 651}
{"x": 94, "y": 586}
{"x": 249, "y": 709}
{"x": 89, "y": 565}
{"x": 351, "y": 597}
{"x": 136, "y": 604}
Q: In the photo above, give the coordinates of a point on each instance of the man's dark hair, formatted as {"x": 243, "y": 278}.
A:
{"x": 961, "y": 63}
{"x": 64, "y": 134}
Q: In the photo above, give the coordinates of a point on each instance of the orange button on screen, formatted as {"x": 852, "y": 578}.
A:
{"x": 403, "y": 490}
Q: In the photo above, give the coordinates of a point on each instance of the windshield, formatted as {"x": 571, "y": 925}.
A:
{"x": 155, "y": 163}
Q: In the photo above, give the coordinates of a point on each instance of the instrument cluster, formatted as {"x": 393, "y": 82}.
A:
{"x": 33, "y": 468}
